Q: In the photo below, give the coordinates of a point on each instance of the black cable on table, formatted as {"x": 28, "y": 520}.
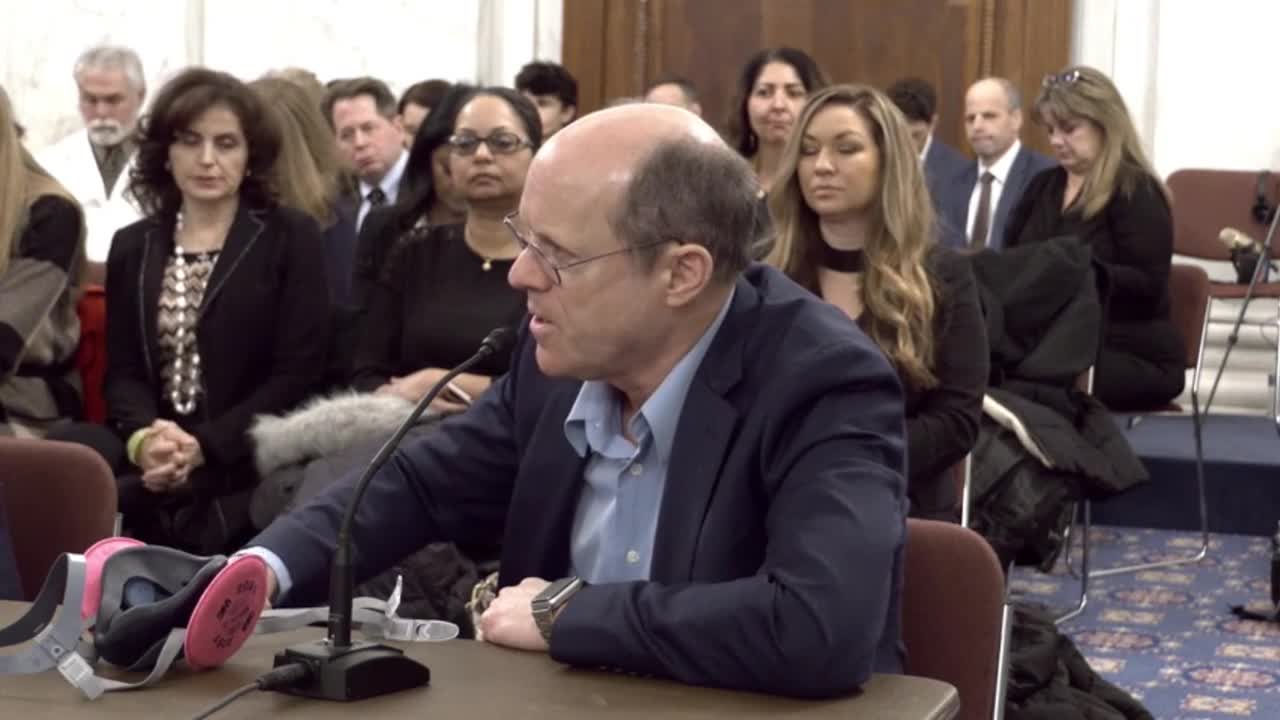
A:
{"x": 281, "y": 676}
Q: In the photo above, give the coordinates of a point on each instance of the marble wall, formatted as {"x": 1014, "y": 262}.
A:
{"x": 401, "y": 41}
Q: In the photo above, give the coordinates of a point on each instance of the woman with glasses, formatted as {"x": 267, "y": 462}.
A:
{"x": 856, "y": 226}
{"x": 441, "y": 292}
{"x": 1105, "y": 193}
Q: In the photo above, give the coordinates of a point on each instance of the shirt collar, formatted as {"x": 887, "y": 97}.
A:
{"x": 597, "y": 402}
{"x": 928, "y": 142}
{"x": 1004, "y": 165}
{"x": 390, "y": 182}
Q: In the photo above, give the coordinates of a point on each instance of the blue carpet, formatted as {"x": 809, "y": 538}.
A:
{"x": 1168, "y": 636}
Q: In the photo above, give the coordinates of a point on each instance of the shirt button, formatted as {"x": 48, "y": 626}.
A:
{"x": 637, "y": 469}
{"x": 633, "y": 557}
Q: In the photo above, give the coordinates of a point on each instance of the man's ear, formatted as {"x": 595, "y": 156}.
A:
{"x": 691, "y": 269}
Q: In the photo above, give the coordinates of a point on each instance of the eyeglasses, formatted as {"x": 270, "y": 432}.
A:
{"x": 1065, "y": 78}
{"x": 500, "y": 143}
{"x": 553, "y": 268}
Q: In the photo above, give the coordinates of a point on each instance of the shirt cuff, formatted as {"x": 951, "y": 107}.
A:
{"x": 273, "y": 561}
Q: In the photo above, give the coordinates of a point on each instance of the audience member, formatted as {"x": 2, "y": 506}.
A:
{"x": 213, "y": 312}
{"x": 91, "y": 163}
{"x": 307, "y": 174}
{"x": 441, "y": 291}
{"x": 41, "y": 254}
{"x": 771, "y": 91}
{"x": 855, "y": 225}
{"x": 736, "y": 512}
{"x": 1105, "y": 193}
{"x": 304, "y": 79}
{"x": 918, "y": 101}
{"x": 976, "y": 203}
{"x": 416, "y": 104}
{"x": 362, "y": 112}
{"x": 553, "y": 90}
{"x": 429, "y": 197}
{"x": 675, "y": 90}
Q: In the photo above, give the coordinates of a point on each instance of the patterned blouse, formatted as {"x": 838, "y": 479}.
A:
{"x": 186, "y": 276}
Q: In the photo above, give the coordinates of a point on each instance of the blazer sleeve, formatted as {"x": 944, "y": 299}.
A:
{"x": 382, "y": 323}
{"x": 127, "y": 388}
{"x": 1141, "y": 245}
{"x": 945, "y": 427}
{"x": 1020, "y": 215}
{"x": 809, "y": 622}
{"x": 37, "y": 275}
{"x": 297, "y": 360}
{"x": 453, "y": 483}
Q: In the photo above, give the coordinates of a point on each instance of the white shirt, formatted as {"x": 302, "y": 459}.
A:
{"x": 72, "y": 163}
{"x": 390, "y": 185}
{"x": 924, "y": 153}
{"x": 1000, "y": 171}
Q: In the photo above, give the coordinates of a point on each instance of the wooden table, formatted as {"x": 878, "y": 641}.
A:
{"x": 469, "y": 681}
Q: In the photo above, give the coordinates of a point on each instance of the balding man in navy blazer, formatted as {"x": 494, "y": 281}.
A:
{"x": 696, "y": 466}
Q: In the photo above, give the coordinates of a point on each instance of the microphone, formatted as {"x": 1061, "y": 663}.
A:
{"x": 342, "y": 670}
{"x": 1236, "y": 240}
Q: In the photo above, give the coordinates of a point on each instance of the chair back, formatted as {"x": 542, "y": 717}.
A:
{"x": 61, "y": 498}
{"x": 91, "y": 355}
{"x": 952, "y": 612}
{"x": 1189, "y": 290}
{"x": 1206, "y": 201}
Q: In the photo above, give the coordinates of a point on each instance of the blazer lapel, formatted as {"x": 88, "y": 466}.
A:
{"x": 707, "y": 424}
{"x": 156, "y": 249}
{"x": 1013, "y": 186}
{"x": 244, "y": 233}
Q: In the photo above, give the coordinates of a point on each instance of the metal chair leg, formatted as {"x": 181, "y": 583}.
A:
{"x": 1084, "y": 570}
{"x": 966, "y": 495}
{"x": 1204, "y": 507}
{"x": 1068, "y": 536}
{"x": 1002, "y": 661}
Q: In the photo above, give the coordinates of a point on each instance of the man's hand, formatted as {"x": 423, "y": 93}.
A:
{"x": 509, "y": 619}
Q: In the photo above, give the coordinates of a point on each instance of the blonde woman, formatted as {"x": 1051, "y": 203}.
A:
{"x": 307, "y": 173}
{"x": 1105, "y": 193}
{"x": 41, "y": 253}
{"x": 855, "y": 225}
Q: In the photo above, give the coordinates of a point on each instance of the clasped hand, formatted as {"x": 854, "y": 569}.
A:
{"x": 167, "y": 456}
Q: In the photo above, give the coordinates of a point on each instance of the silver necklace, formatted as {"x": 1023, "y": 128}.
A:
{"x": 184, "y": 383}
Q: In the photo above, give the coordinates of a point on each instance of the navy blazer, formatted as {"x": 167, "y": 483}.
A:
{"x": 777, "y": 562}
{"x": 942, "y": 163}
{"x": 954, "y": 205}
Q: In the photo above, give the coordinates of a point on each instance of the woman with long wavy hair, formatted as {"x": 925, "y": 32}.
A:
{"x": 41, "y": 253}
{"x": 855, "y": 225}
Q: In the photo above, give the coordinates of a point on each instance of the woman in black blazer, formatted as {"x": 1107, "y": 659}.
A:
{"x": 856, "y": 226}
{"x": 217, "y": 311}
{"x": 1106, "y": 194}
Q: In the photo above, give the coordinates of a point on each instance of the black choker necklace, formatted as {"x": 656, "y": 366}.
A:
{"x": 849, "y": 261}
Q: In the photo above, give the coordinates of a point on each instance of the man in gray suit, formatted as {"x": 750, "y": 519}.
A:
{"x": 976, "y": 202}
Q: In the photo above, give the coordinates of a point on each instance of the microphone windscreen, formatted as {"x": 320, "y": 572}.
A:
{"x": 499, "y": 341}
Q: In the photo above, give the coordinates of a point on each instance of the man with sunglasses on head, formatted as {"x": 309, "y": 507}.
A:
{"x": 697, "y": 466}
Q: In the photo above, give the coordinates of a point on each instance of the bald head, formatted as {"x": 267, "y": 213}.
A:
{"x": 992, "y": 118}
{"x": 609, "y": 145}
{"x": 614, "y": 167}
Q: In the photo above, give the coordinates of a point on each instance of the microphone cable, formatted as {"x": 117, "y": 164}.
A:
{"x": 279, "y": 677}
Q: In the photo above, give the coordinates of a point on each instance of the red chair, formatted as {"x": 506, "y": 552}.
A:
{"x": 955, "y": 618}
{"x": 91, "y": 355}
{"x": 61, "y": 498}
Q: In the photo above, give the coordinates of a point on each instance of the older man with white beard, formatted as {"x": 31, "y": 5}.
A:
{"x": 93, "y": 163}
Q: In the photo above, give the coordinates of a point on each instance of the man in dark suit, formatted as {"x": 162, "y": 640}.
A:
{"x": 715, "y": 452}
{"x": 918, "y": 101}
{"x": 975, "y": 203}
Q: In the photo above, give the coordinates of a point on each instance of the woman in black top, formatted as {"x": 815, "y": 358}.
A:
{"x": 217, "y": 311}
{"x": 442, "y": 292}
{"x": 1106, "y": 194}
{"x": 855, "y": 225}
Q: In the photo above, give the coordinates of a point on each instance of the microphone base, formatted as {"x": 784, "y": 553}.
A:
{"x": 363, "y": 670}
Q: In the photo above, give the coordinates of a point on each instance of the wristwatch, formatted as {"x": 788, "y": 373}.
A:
{"x": 548, "y": 602}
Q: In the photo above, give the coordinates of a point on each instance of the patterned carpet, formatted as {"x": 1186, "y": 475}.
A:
{"x": 1168, "y": 636}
